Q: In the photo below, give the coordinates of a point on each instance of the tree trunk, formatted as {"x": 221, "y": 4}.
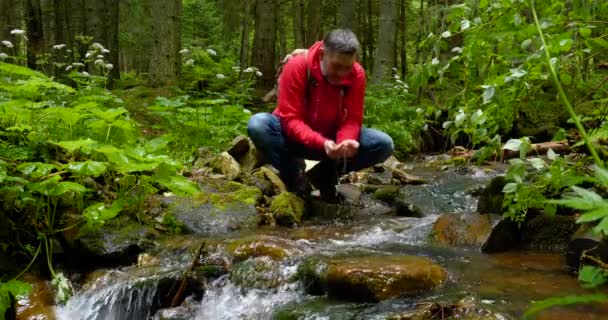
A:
{"x": 245, "y": 34}
{"x": 264, "y": 48}
{"x": 314, "y": 32}
{"x": 403, "y": 37}
{"x": 386, "y": 40}
{"x": 298, "y": 23}
{"x": 165, "y": 62}
{"x": 347, "y": 14}
{"x": 231, "y": 17}
{"x": 282, "y": 33}
{"x": 35, "y": 44}
{"x": 10, "y": 18}
{"x": 111, "y": 38}
{"x": 370, "y": 37}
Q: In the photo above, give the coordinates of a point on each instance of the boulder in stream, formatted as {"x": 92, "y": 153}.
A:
{"x": 263, "y": 246}
{"x": 462, "y": 230}
{"x": 370, "y": 278}
{"x": 39, "y": 303}
{"x": 287, "y": 209}
{"x": 257, "y": 273}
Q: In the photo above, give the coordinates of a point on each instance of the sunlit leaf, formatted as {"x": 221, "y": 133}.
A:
{"x": 98, "y": 213}
{"x": 564, "y": 301}
{"x": 592, "y": 277}
{"x": 87, "y": 168}
{"x": 512, "y": 144}
{"x": 36, "y": 169}
{"x": 72, "y": 146}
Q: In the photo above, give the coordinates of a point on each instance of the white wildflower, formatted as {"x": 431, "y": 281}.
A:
{"x": 18, "y": 32}
{"x": 258, "y": 73}
{"x": 99, "y": 56}
{"x": 68, "y": 50}
{"x": 68, "y": 68}
{"x": 457, "y": 49}
{"x": 435, "y": 61}
{"x": 249, "y": 70}
{"x": 399, "y": 81}
{"x": 59, "y": 46}
{"x": 109, "y": 66}
{"x": 99, "y": 62}
{"x": 105, "y": 51}
{"x": 236, "y": 69}
{"x": 183, "y": 51}
{"x": 220, "y": 76}
{"x": 3, "y": 55}
{"x": 189, "y": 62}
{"x": 7, "y": 43}
{"x": 446, "y": 34}
{"x": 211, "y": 52}
{"x": 97, "y": 46}
{"x": 86, "y": 74}
{"x": 78, "y": 64}
{"x": 88, "y": 54}
{"x": 397, "y": 77}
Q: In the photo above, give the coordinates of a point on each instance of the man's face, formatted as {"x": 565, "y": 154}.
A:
{"x": 337, "y": 65}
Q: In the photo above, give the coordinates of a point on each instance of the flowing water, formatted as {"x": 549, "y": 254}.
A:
{"x": 503, "y": 283}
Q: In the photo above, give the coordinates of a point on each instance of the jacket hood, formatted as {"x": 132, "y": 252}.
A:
{"x": 314, "y": 65}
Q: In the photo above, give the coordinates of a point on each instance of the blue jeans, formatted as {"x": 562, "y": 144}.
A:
{"x": 285, "y": 155}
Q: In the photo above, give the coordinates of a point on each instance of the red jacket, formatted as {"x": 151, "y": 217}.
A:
{"x": 325, "y": 113}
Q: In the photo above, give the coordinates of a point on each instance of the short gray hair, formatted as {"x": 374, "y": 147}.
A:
{"x": 342, "y": 41}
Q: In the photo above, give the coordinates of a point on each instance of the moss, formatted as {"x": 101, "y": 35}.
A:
{"x": 287, "y": 209}
{"x": 387, "y": 193}
{"x": 221, "y": 194}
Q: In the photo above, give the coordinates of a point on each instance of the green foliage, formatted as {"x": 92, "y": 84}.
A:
{"x": 563, "y": 301}
{"x": 592, "y": 277}
{"x": 12, "y": 288}
{"x": 529, "y": 189}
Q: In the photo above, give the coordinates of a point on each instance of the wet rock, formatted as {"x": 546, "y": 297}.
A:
{"x": 225, "y": 165}
{"x": 383, "y": 178}
{"x": 204, "y": 155}
{"x": 548, "y": 234}
{"x": 406, "y": 178}
{"x": 118, "y": 242}
{"x": 350, "y": 193}
{"x": 266, "y": 173}
{"x": 584, "y": 240}
{"x": 264, "y": 185}
{"x": 263, "y": 246}
{"x": 224, "y": 206}
{"x": 490, "y": 199}
{"x": 319, "y": 308}
{"x": 288, "y": 209}
{"x": 323, "y": 210}
{"x": 386, "y": 193}
{"x": 178, "y": 313}
{"x": 462, "y": 230}
{"x": 239, "y": 146}
{"x": 370, "y": 278}
{"x": 257, "y": 273}
{"x": 40, "y": 302}
{"x": 251, "y": 160}
{"x": 504, "y": 236}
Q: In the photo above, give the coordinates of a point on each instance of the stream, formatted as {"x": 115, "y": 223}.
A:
{"x": 501, "y": 286}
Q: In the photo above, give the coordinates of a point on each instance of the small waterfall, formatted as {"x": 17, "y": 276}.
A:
{"x": 115, "y": 296}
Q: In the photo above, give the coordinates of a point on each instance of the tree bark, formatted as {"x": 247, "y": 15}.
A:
{"x": 370, "y": 37}
{"x": 347, "y": 14}
{"x": 403, "y": 37}
{"x": 10, "y": 18}
{"x": 111, "y": 39}
{"x": 282, "y": 32}
{"x": 314, "y": 31}
{"x": 165, "y": 62}
{"x": 384, "y": 59}
{"x": 298, "y": 23}
{"x": 35, "y": 35}
{"x": 245, "y": 34}
{"x": 264, "y": 43}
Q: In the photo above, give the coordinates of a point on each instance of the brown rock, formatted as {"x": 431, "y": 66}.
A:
{"x": 462, "y": 230}
{"x": 39, "y": 303}
{"x": 258, "y": 246}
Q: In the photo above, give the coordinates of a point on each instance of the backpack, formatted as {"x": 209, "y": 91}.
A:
{"x": 273, "y": 94}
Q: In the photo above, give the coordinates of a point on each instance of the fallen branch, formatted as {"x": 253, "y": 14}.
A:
{"x": 560, "y": 147}
{"x": 177, "y": 298}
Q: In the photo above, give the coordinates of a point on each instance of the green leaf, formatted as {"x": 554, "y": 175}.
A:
{"x": 593, "y": 215}
{"x": 87, "y": 168}
{"x": 179, "y": 185}
{"x": 565, "y": 78}
{"x": 36, "y": 169}
{"x": 584, "y": 32}
{"x": 512, "y": 144}
{"x": 62, "y": 287}
{"x": 13, "y": 288}
{"x": 564, "y": 301}
{"x": 488, "y": 93}
{"x": 13, "y": 69}
{"x": 74, "y": 145}
{"x": 602, "y": 227}
{"x": 537, "y": 163}
{"x": 602, "y": 176}
{"x": 509, "y": 187}
{"x": 592, "y": 277}
{"x": 158, "y": 143}
{"x": 109, "y": 115}
{"x": 98, "y": 213}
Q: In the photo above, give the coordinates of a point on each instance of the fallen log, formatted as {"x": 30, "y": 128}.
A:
{"x": 536, "y": 149}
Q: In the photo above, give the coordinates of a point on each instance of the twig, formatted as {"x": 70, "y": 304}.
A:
{"x": 182, "y": 287}
{"x": 593, "y": 259}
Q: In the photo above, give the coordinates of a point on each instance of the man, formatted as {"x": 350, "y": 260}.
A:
{"x": 319, "y": 116}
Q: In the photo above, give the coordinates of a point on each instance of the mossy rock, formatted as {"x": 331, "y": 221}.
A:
{"x": 386, "y": 193}
{"x": 319, "y": 308}
{"x": 257, "y": 273}
{"x": 223, "y": 206}
{"x": 491, "y": 197}
{"x": 258, "y": 246}
{"x": 288, "y": 209}
{"x": 370, "y": 278}
{"x": 549, "y": 234}
{"x": 118, "y": 241}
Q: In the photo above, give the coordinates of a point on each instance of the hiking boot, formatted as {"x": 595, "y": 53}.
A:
{"x": 324, "y": 177}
